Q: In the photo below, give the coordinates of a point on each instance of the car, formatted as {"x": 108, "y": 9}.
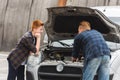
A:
{"x": 112, "y": 12}
{"x": 54, "y": 61}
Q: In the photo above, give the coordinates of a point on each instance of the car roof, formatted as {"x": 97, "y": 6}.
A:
{"x": 109, "y": 11}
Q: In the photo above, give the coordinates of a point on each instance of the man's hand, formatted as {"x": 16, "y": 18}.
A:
{"x": 74, "y": 59}
{"x": 31, "y": 53}
{"x": 36, "y": 54}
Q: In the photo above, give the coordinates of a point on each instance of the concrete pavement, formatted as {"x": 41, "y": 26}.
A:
{"x": 3, "y": 65}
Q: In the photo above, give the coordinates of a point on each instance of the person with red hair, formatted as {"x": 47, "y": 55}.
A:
{"x": 29, "y": 43}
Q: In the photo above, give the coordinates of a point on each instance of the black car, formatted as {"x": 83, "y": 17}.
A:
{"x": 54, "y": 62}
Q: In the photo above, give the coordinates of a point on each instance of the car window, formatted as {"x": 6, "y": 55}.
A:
{"x": 115, "y": 20}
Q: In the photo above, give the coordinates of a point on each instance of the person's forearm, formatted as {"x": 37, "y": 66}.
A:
{"x": 75, "y": 49}
{"x": 38, "y": 44}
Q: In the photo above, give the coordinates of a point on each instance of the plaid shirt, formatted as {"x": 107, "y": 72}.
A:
{"x": 21, "y": 52}
{"x": 91, "y": 43}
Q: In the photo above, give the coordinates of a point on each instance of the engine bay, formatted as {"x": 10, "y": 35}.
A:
{"x": 60, "y": 54}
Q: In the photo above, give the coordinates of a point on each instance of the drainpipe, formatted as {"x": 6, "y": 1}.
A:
{"x": 62, "y": 3}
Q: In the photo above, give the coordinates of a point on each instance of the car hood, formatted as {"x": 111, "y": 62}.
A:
{"x": 63, "y": 23}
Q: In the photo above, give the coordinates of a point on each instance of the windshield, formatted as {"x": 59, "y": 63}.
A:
{"x": 69, "y": 43}
{"x": 115, "y": 20}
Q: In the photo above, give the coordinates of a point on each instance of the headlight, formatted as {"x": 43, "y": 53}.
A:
{"x": 60, "y": 67}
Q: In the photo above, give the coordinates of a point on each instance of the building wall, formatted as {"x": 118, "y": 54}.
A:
{"x": 16, "y": 16}
{"x": 91, "y": 3}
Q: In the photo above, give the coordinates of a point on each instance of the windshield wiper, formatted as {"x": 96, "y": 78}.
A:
{"x": 64, "y": 44}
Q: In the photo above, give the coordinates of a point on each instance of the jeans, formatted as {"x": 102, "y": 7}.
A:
{"x": 13, "y": 73}
{"x": 99, "y": 65}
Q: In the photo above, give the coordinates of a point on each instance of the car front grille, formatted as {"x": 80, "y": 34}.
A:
{"x": 68, "y": 73}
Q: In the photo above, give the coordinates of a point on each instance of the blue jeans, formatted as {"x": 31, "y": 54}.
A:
{"x": 99, "y": 66}
{"x": 13, "y": 73}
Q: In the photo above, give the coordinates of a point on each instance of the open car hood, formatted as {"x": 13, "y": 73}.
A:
{"x": 63, "y": 23}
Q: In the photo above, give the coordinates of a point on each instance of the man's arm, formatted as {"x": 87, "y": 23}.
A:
{"x": 29, "y": 44}
{"x": 38, "y": 44}
{"x": 76, "y": 50}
